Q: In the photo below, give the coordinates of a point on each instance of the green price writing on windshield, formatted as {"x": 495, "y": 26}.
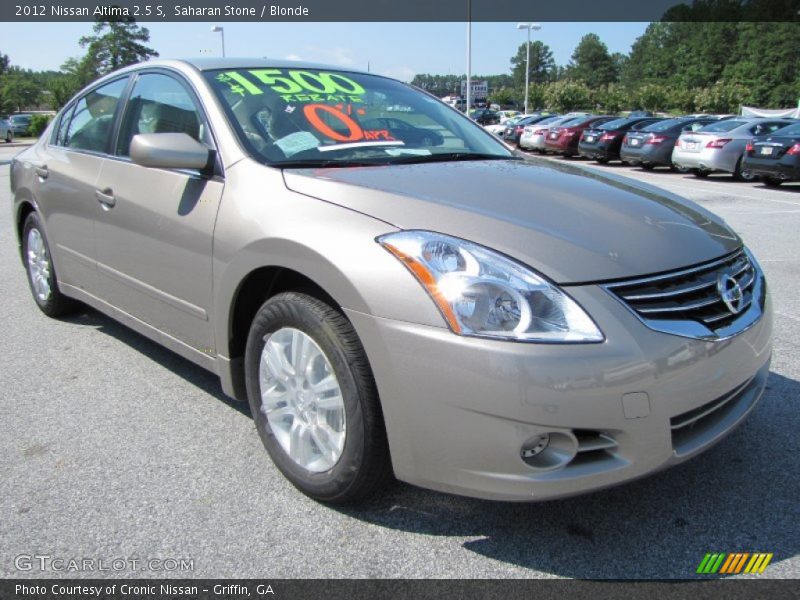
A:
{"x": 297, "y": 81}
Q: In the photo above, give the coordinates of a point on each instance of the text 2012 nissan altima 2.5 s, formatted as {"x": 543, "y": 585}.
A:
{"x": 437, "y": 309}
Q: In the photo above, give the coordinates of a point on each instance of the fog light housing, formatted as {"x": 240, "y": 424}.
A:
{"x": 549, "y": 451}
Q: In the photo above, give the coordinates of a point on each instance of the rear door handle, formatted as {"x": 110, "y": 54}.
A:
{"x": 105, "y": 198}
{"x": 42, "y": 171}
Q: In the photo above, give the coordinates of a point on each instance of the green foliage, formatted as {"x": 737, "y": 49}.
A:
{"x": 591, "y": 63}
{"x": 19, "y": 90}
{"x": 536, "y": 96}
{"x": 565, "y": 96}
{"x": 115, "y": 44}
{"x": 611, "y": 98}
{"x": 650, "y": 96}
{"x": 542, "y": 64}
{"x": 39, "y": 124}
{"x": 723, "y": 97}
{"x": 504, "y": 96}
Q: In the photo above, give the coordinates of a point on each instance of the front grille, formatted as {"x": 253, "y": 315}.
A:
{"x": 690, "y": 294}
{"x": 699, "y": 426}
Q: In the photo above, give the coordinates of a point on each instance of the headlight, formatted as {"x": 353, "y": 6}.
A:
{"x": 484, "y": 294}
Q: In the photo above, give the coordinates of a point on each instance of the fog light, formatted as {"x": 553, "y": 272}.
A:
{"x": 535, "y": 446}
{"x": 548, "y": 451}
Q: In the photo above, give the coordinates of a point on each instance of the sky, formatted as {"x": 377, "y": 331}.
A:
{"x": 398, "y": 50}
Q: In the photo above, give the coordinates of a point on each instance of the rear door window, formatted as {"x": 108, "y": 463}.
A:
{"x": 92, "y": 118}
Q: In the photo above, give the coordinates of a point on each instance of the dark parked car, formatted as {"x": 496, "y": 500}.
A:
{"x": 775, "y": 158}
{"x": 484, "y": 116}
{"x": 514, "y": 131}
{"x": 652, "y": 146}
{"x": 564, "y": 140}
{"x": 405, "y": 132}
{"x": 604, "y": 142}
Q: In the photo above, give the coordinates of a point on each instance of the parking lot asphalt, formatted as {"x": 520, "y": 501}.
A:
{"x": 112, "y": 447}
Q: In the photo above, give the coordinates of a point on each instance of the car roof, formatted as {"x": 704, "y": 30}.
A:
{"x": 211, "y": 64}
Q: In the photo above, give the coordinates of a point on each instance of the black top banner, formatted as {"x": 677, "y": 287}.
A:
{"x": 401, "y": 10}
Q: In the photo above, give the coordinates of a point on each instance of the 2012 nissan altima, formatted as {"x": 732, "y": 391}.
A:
{"x": 433, "y": 308}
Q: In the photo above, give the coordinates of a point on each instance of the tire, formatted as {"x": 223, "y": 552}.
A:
{"x": 771, "y": 181}
{"x": 741, "y": 175}
{"x": 700, "y": 174}
{"x": 358, "y": 465}
{"x": 41, "y": 273}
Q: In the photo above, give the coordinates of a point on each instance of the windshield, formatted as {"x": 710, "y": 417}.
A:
{"x": 311, "y": 117}
{"x": 666, "y": 124}
{"x": 789, "y": 130}
{"x": 724, "y": 125}
{"x": 618, "y": 123}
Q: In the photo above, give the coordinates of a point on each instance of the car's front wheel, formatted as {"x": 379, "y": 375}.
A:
{"x": 771, "y": 181}
{"x": 314, "y": 400}
{"x": 41, "y": 273}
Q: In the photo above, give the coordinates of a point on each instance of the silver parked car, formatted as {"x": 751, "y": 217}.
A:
{"x": 720, "y": 146}
{"x": 6, "y": 130}
{"x": 534, "y": 136}
{"x": 445, "y": 312}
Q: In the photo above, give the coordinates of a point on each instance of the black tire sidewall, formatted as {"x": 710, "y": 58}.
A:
{"x": 295, "y": 310}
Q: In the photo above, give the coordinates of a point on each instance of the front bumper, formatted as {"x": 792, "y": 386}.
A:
{"x": 459, "y": 410}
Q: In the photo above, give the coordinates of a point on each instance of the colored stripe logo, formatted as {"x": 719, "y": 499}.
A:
{"x": 734, "y": 562}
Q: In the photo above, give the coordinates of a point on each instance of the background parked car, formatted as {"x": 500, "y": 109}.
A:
{"x": 775, "y": 157}
{"x": 602, "y": 143}
{"x": 6, "y": 130}
{"x": 484, "y": 116}
{"x": 564, "y": 139}
{"x": 505, "y": 115}
{"x": 513, "y": 133}
{"x": 498, "y": 128}
{"x": 720, "y": 146}
{"x": 20, "y": 123}
{"x": 652, "y": 146}
{"x": 534, "y": 136}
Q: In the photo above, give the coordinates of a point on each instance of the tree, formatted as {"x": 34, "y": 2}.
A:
{"x": 723, "y": 97}
{"x": 542, "y": 65}
{"x": 116, "y": 44}
{"x": 651, "y": 96}
{"x": 503, "y": 96}
{"x": 18, "y": 90}
{"x": 612, "y": 98}
{"x": 565, "y": 96}
{"x": 591, "y": 62}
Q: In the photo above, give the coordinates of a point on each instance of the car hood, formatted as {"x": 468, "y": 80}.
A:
{"x": 572, "y": 224}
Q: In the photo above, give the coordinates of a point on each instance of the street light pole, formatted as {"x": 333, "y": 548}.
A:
{"x": 535, "y": 27}
{"x": 469, "y": 57}
{"x": 220, "y": 30}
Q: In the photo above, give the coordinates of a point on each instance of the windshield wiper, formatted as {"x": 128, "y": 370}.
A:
{"x": 316, "y": 163}
{"x": 448, "y": 157}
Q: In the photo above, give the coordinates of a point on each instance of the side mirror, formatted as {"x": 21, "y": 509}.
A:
{"x": 169, "y": 151}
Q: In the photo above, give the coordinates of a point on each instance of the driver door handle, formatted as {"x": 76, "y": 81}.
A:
{"x": 42, "y": 171}
{"x": 105, "y": 198}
